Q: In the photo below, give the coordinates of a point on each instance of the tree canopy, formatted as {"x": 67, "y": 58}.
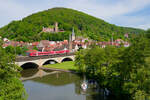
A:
{"x": 11, "y": 87}
{"x": 124, "y": 71}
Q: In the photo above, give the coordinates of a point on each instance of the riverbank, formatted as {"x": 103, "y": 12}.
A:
{"x": 64, "y": 66}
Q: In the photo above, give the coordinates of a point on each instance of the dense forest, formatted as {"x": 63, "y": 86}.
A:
{"x": 29, "y": 28}
{"x": 125, "y": 72}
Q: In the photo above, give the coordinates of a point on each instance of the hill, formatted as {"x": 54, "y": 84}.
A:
{"x": 30, "y": 28}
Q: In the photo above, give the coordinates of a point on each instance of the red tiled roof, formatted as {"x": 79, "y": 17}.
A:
{"x": 35, "y": 43}
{"x": 29, "y": 51}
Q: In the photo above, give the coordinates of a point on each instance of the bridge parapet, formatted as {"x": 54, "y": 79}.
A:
{"x": 27, "y": 58}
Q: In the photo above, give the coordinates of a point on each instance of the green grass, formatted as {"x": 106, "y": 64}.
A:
{"x": 69, "y": 65}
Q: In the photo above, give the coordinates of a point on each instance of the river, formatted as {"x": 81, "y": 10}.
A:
{"x": 53, "y": 85}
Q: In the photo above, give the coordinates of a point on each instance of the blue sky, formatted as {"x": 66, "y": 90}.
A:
{"x": 129, "y": 13}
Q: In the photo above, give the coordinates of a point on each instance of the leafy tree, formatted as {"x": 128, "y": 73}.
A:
{"x": 134, "y": 70}
{"x": 124, "y": 71}
{"x": 10, "y": 49}
{"x": 11, "y": 88}
{"x": 16, "y": 50}
{"x": 35, "y": 48}
{"x": 80, "y": 61}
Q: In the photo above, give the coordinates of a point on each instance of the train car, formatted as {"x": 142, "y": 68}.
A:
{"x": 48, "y": 53}
{"x": 38, "y": 53}
{"x": 51, "y": 52}
{"x": 32, "y": 54}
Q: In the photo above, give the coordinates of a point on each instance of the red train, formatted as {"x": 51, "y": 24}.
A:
{"x": 48, "y": 53}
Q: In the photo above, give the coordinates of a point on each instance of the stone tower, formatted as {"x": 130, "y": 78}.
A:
{"x": 73, "y": 35}
{"x": 56, "y": 27}
{"x": 70, "y": 42}
{"x": 71, "y": 39}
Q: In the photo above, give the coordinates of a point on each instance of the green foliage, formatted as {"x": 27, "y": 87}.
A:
{"x": 124, "y": 71}
{"x": 134, "y": 69}
{"x": 16, "y": 50}
{"x": 55, "y": 37}
{"x": 80, "y": 60}
{"x": 35, "y": 48}
{"x": 29, "y": 28}
{"x": 11, "y": 88}
{"x": 10, "y": 49}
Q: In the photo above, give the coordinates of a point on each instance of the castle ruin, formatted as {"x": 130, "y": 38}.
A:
{"x": 54, "y": 29}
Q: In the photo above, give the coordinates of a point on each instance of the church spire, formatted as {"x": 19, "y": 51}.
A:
{"x": 73, "y": 34}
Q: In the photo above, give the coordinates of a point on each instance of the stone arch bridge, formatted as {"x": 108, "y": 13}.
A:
{"x": 42, "y": 60}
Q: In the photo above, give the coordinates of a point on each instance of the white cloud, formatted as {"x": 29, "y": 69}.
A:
{"x": 10, "y": 8}
{"x": 11, "y": 11}
{"x": 107, "y": 10}
{"x": 114, "y": 12}
{"x": 130, "y": 20}
{"x": 144, "y": 26}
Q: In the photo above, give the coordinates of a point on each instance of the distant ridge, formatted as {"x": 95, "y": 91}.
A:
{"x": 29, "y": 27}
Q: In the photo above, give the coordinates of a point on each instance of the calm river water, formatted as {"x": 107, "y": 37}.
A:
{"x": 52, "y": 85}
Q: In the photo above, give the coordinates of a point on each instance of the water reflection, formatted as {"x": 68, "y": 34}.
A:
{"x": 59, "y": 86}
{"x": 29, "y": 72}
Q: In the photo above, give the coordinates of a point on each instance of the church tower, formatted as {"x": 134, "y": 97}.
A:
{"x": 71, "y": 39}
{"x": 56, "y": 27}
{"x": 70, "y": 42}
{"x": 73, "y": 35}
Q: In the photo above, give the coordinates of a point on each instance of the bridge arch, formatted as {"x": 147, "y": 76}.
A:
{"x": 66, "y": 59}
{"x": 29, "y": 65}
{"x": 50, "y": 61}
